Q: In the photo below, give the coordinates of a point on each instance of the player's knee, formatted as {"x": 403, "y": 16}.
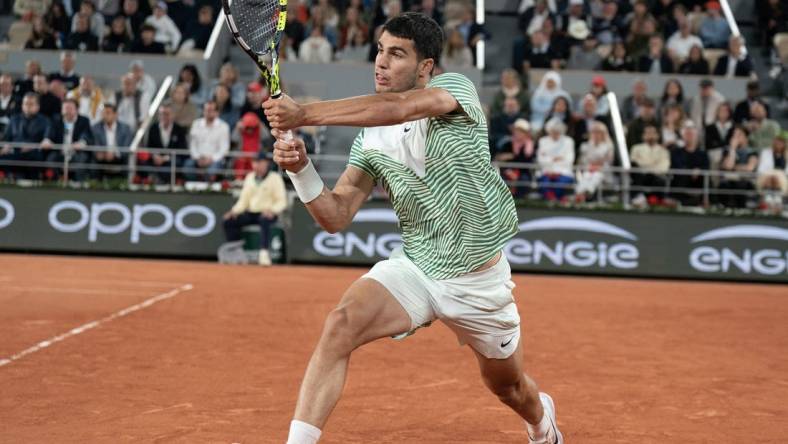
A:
{"x": 509, "y": 392}
{"x": 338, "y": 332}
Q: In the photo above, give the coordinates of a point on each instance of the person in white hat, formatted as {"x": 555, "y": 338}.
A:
{"x": 167, "y": 33}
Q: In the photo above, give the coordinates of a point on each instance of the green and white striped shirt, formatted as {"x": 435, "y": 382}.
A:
{"x": 454, "y": 209}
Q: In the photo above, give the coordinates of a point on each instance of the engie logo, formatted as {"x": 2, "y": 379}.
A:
{"x": 349, "y": 244}
{"x": 592, "y": 251}
{"x": 129, "y": 219}
{"x": 7, "y": 213}
{"x": 741, "y": 255}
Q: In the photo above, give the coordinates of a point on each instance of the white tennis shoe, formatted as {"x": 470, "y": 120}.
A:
{"x": 553, "y": 435}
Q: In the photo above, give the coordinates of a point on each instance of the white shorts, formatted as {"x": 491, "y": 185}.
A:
{"x": 479, "y": 307}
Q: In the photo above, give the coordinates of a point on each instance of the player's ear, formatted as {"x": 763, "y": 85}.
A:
{"x": 425, "y": 67}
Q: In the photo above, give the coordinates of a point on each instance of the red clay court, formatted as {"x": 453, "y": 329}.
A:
{"x": 118, "y": 350}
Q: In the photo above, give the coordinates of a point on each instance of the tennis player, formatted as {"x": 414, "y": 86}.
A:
{"x": 425, "y": 140}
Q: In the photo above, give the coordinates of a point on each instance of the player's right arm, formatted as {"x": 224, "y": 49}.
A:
{"x": 332, "y": 209}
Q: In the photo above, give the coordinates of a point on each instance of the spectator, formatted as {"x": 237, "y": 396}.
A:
{"x": 250, "y": 133}
{"x": 742, "y": 112}
{"x": 455, "y": 52}
{"x": 556, "y": 156}
{"x": 167, "y": 33}
{"x": 638, "y": 44}
{"x": 636, "y": 21}
{"x": 113, "y": 136}
{"x": 81, "y": 39}
{"x": 135, "y": 18}
{"x": 262, "y": 200}
{"x": 356, "y": 50}
{"x": 703, "y": 107}
{"x": 654, "y": 160}
{"x": 42, "y": 37}
{"x": 95, "y": 21}
{"x": 190, "y": 77}
{"x": 67, "y": 75}
{"x": 9, "y": 104}
{"x": 57, "y": 21}
{"x": 26, "y": 127}
{"x": 146, "y": 43}
{"x": 294, "y": 31}
{"x": 198, "y": 33}
{"x": 143, "y": 82}
{"x": 500, "y": 124}
{"x": 718, "y": 134}
{"x": 714, "y": 29}
{"x": 511, "y": 86}
{"x": 596, "y": 157}
{"x": 255, "y": 95}
{"x": 49, "y": 104}
{"x": 579, "y": 32}
{"x": 557, "y": 41}
{"x": 227, "y": 112}
{"x": 618, "y": 60}
{"x": 315, "y": 48}
{"x": 761, "y": 128}
{"x": 108, "y": 9}
{"x": 184, "y": 110}
{"x": 228, "y": 76}
{"x": 118, "y": 39}
{"x": 772, "y": 171}
{"x": 673, "y": 118}
{"x": 574, "y": 19}
{"x": 89, "y": 97}
{"x": 519, "y": 147}
{"x": 25, "y": 84}
{"x": 540, "y": 55}
{"x": 633, "y": 103}
{"x": 647, "y": 117}
{"x": 58, "y": 90}
{"x": 543, "y": 98}
{"x": 27, "y": 9}
{"x": 72, "y": 131}
{"x": 585, "y": 121}
{"x": 739, "y": 162}
{"x": 427, "y": 7}
{"x": 318, "y": 20}
{"x": 772, "y": 19}
{"x": 209, "y": 142}
{"x": 672, "y": 94}
{"x": 131, "y": 104}
{"x": 695, "y": 63}
{"x": 584, "y": 56}
{"x": 599, "y": 91}
{"x": 562, "y": 111}
{"x": 352, "y": 25}
{"x": 680, "y": 43}
{"x": 736, "y": 63}
{"x": 608, "y": 27}
{"x": 164, "y": 134}
{"x": 656, "y": 61}
{"x": 533, "y": 18}
{"x": 688, "y": 155}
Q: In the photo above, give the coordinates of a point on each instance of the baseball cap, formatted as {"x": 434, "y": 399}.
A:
{"x": 598, "y": 81}
{"x": 250, "y": 119}
{"x": 254, "y": 86}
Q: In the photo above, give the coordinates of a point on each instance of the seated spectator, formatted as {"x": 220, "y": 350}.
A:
{"x": 714, "y": 29}
{"x": 209, "y": 142}
{"x": 772, "y": 172}
{"x": 428, "y": 8}
{"x": 29, "y": 126}
{"x": 647, "y": 117}
{"x": 584, "y": 122}
{"x": 250, "y": 134}
{"x": 42, "y": 37}
{"x": 118, "y": 39}
{"x": 680, "y": 43}
{"x": 637, "y": 21}
{"x": 81, "y": 38}
{"x": 9, "y": 104}
{"x": 736, "y": 63}
{"x": 596, "y": 157}
{"x": 687, "y": 154}
{"x": 58, "y": 90}
{"x": 574, "y": 18}
{"x": 263, "y": 198}
{"x": 718, "y": 133}
{"x": 113, "y": 136}
{"x": 28, "y": 9}
{"x": 599, "y": 91}
{"x": 556, "y": 156}
{"x": 73, "y": 132}
{"x": 164, "y": 134}
{"x": 501, "y": 123}
{"x": 511, "y": 86}
{"x": 199, "y": 32}
{"x": 135, "y": 18}
{"x": 318, "y": 19}
{"x": 618, "y": 60}
{"x": 95, "y": 20}
{"x": 761, "y": 128}
{"x": 146, "y": 43}
{"x": 638, "y": 43}
{"x": 703, "y": 107}
{"x": 131, "y": 104}
{"x": 584, "y": 56}
{"x": 738, "y": 162}
{"x": 542, "y": 99}
{"x": 532, "y": 19}
{"x": 562, "y": 111}
{"x": 295, "y": 31}
{"x": 190, "y": 77}
{"x": 143, "y": 82}
{"x": 89, "y": 97}
{"x": 227, "y": 112}
{"x": 557, "y": 41}
{"x": 67, "y": 75}
{"x": 25, "y": 84}
{"x": 456, "y": 54}
{"x": 255, "y": 95}
{"x": 184, "y": 110}
{"x": 49, "y": 104}
{"x": 695, "y": 63}
{"x": 353, "y": 25}
{"x": 772, "y": 19}
{"x": 654, "y": 161}
{"x": 519, "y": 147}
{"x": 167, "y": 33}
{"x": 108, "y": 9}
{"x": 630, "y": 109}
{"x": 578, "y": 32}
{"x": 742, "y": 112}
{"x": 356, "y": 50}
{"x": 315, "y": 48}
{"x": 656, "y": 61}
{"x": 672, "y": 94}
{"x": 538, "y": 55}
{"x": 57, "y": 21}
{"x": 609, "y": 26}
{"x": 228, "y": 76}
{"x": 673, "y": 118}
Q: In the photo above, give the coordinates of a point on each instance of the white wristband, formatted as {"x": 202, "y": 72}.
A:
{"x": 307, "y": 183}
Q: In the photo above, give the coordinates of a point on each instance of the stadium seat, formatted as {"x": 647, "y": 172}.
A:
{"x": 18, "y": 34}
{"x": 712, "y": 55}
{"x": 781, "y": 43}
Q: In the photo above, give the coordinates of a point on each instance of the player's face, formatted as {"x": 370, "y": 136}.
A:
{"x": 397, "y": 65}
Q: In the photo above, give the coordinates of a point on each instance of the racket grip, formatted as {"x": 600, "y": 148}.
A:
{"x": 287, "y": 136}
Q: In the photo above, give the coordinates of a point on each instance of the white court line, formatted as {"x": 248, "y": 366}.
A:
{"x": 133, "y": 283}
{"x": 72, "y": 290}
{"x": 93, "y": 324}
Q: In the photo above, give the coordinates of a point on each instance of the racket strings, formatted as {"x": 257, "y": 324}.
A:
{"x": 256, "y": 21}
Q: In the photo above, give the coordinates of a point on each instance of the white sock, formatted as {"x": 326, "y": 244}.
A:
{"x": 302, "y": 433}
{"x": 539, "y": 431}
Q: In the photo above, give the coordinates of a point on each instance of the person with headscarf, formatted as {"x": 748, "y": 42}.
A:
{"x": 596, "y": 156}
{"x": 556, "y": 157}
{"x": 543, "y": 98}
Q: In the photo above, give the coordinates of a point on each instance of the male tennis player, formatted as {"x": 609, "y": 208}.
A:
{"x": 425, "y": 140}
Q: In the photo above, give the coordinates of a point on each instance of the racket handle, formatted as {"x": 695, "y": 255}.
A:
{"x": 287, "y": 136}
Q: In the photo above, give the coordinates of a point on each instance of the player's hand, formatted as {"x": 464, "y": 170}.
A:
{"x": 283, "y": 113}
{"x": 290, "y": 154}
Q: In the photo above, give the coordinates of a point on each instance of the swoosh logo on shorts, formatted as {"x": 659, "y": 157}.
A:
{"x": 504, "y": 344}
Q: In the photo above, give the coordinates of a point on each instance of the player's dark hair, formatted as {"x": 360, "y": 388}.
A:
{"x": 426, "y": 34}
